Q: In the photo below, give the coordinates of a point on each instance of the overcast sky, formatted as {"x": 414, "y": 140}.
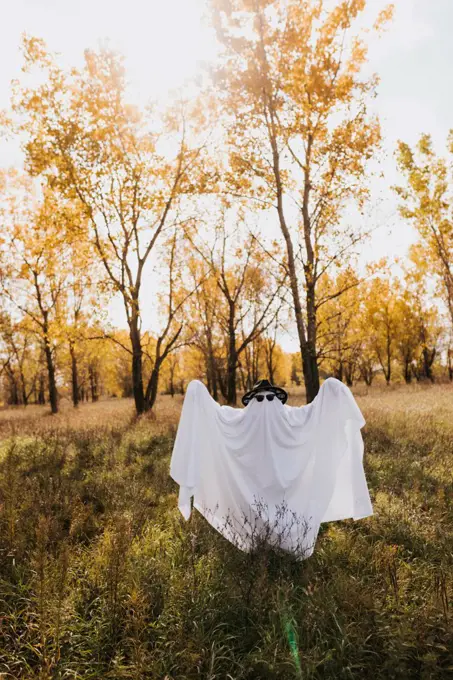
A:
{"x": 165, "y": 42}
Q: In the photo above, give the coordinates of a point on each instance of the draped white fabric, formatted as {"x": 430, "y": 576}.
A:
{"x": 271, "y": 471}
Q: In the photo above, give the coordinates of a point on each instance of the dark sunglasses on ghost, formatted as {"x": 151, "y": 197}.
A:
{"x": 260, "y": 397}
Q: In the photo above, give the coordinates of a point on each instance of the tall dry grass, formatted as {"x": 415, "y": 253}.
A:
{"x": 101, "y": 578}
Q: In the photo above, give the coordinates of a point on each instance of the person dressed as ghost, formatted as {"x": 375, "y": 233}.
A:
{"x": 271, "y": 471}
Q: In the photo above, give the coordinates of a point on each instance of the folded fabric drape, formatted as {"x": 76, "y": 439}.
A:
{"x": 270, "y": 471}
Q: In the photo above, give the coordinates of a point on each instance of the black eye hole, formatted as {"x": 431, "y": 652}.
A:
{"x": 260, "y": 397}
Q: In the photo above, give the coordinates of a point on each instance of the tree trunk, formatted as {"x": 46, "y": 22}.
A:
{"x": 13, "y": 389}
{"x": 269, "y": 354}
{"x": 310, "y": 282}
{"x": 247, "y": 380}
{"x": 213, "y": 371}
{"x": 256, "y": 363}
{"x": 270, "y": 370}
{"x": 367, "y": 374}
{"x": 244, "y": 378}
{"x": 92, "y": 374}
{"x": 294, "y": 377}
{"x": 231, "y": 380}
{"x": 211, "y": 367}
{"x": 151, "y": 390}
{"x": 53, "y": 394}
{"x": 172, "y": 384}
{"x": 137, "y": 366}
{"x": 14, "y": 394}
{"x": 349, "y": 373}
{"x": 74, "y": 375}
{"x": 208, "y": 374}
{"x": 428, "y": 359}
{"x": 23, "y": 386}
{"x": 388, "y": 371}
{"x": 232, "y": 360}
{"x": 309, "y": 363}
{"x": 310, "y": 351}
{"x": 407, "y": 371}
{"x": 307, "y": 348}
{"x": 153, "y": 382}
{"x": 222, "y": 383}
{"x": 41, "y": 390}
{"x": 339, "y": 371}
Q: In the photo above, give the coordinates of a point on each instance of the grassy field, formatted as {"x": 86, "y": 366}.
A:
{"x": 100, "y": 577}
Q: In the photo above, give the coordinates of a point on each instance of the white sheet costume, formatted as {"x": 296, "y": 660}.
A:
{"x": 270, "y": 470}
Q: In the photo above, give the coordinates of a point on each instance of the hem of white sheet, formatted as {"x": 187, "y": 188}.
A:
{"x": 367, "y": 513}
{"x": 238, "y": 543}
{"x": 218, "y": 526}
